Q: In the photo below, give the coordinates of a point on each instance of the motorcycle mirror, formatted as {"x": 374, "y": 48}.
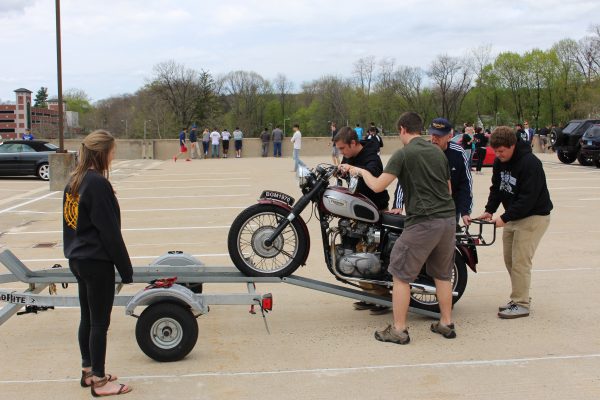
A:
{"x": 353, "y": 184}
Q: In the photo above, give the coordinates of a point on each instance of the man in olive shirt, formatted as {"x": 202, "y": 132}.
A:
{"x": 429, "y": 234}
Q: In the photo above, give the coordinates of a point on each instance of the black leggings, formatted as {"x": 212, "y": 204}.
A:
{"x": 481, "y": 152}
{"x": 96, "y": 281}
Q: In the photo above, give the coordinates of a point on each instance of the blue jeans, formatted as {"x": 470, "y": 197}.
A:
{"x": 296, "y": 158}
{"x": 276, "y": 149}
{"x": 215, "y": 150}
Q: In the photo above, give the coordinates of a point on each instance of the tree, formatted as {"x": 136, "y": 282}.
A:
{"x": 186, "y": 91}
{"x": 41, "y": 98}
{"x": 452, "y": 80}
{"x": 510, "y": 68}
{"x": 283, "y": 88}
{"x": 363, "y": 75}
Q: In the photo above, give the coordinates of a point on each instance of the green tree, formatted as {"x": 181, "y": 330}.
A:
{"x": 41, "y": 98}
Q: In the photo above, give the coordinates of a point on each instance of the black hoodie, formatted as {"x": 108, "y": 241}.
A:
{"x": 368, "y": 159}
{"x": 520, "y": 185}
{"x": 92, "y": 225}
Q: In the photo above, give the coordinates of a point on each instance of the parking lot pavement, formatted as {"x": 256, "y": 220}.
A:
{"x": 319, "y": 347}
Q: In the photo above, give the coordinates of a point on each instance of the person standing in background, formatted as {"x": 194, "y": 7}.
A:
{"x": 238, "y": 136}
{"x": 480, "y": 148}
{"x": 335, "y": 153}
{"x": 277, "y": 135}
{"x": 182, "y": 147}
{"x": 215, "y": 138}
{"x": 205, "y": 141}
{"x": 297, "y": 144}
{"x": 225, "y": 135}
{"x": 359, "y": 132}
{"x": 194, "y": 141}
{"x": 265, "y": 138}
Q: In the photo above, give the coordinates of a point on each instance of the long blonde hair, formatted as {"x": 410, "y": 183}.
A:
{"x": 93, "y": 154}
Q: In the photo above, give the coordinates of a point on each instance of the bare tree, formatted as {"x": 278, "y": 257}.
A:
{"x": 246, "y": 94}
{"x": 283, "y": 88}
{"x": 481, "y": 57}
{"x": 185, "y": 90}
{"x": 409, "y": 85}
{"x": 363, "y": 73}
{"x": 452, "y": 81}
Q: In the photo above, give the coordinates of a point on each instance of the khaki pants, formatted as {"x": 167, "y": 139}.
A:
{"x": 520, "y": 239}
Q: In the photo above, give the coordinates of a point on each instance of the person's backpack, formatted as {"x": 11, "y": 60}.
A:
{"x": 380, "y": 140}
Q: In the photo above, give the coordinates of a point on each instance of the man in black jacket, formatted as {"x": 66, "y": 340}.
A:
{"x": 362, "y": 154}
{"x": 519, "y": 184}
{"x": 461, "y": 180}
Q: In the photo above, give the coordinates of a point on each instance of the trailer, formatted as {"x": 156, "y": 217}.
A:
{"x": 167, "y": 328}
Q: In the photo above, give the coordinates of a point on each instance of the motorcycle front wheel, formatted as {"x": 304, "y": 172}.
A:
{"x": 247, "y": 248}
{"x": 430, "y": 302}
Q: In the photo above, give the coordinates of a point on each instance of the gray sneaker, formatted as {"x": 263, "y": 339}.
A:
{"x": 514, "y": 311}
{"x": 446, "y": 331}
{"x": 507, "y": 305}
{"x": 391, "y": 334}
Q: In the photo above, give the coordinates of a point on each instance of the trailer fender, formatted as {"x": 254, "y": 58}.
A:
{"x": 174, "y": 294}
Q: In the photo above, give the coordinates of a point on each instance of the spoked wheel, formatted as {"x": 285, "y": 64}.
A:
{"x": 430, "y": 302}
{"x": 247, "y": 247}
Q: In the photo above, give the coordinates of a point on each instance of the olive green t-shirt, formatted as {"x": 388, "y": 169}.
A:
{"x": 422, "y": 170}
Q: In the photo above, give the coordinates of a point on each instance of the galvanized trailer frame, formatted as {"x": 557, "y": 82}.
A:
{"x": 196, "y": 303}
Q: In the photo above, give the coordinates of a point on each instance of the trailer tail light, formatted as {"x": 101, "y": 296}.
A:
{"x": 267, "y": 302}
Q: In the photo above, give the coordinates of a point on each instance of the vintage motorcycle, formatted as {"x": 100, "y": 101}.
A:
{"x": 271, "y": 239}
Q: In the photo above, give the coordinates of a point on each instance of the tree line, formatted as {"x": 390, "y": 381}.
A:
{"x": 542, "y": 86}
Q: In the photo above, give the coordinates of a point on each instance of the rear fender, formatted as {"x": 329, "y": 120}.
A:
{"x": 469, "y": 254}
{"x": 287, "y": 208}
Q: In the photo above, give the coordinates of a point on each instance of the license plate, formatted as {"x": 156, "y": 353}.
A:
{"x": 273, "y": 195}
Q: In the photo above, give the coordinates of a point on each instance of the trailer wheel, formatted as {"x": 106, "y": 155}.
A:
{"x": 166, "y": 331}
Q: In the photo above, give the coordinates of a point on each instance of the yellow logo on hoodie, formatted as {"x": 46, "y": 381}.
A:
{"x": 71, "y": 210}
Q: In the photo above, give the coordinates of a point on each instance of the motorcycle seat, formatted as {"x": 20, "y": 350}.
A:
{"x": 393, "y": 220}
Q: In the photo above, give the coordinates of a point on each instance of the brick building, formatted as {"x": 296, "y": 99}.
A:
{"x": 43, "y": 122}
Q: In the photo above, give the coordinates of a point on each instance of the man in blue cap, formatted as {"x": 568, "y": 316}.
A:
{"x": 460, "y": 174}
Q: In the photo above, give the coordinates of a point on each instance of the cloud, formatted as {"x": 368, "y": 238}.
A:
{"x": 11, "y": 7}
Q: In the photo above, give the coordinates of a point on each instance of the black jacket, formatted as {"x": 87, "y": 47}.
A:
{"x": 92, "y": 225}
{"x": 368, "y": 159}
{"x": 520, "y": 185}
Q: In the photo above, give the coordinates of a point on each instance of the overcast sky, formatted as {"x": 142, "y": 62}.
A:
{"x": 110, "y": 46}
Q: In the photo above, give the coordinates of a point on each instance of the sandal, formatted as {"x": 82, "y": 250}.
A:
{"x": 123, "y": 389}
{"x": 85, "y": 375}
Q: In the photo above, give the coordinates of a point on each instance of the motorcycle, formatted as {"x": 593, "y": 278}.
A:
{"x": 271, "y": 239}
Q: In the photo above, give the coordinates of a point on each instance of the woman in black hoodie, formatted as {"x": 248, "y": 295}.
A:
{"x": 93, "y": 244}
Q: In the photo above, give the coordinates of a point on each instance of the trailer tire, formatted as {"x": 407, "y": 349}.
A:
{"x": 166, "y": 331}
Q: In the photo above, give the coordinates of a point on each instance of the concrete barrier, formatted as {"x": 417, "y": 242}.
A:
{"x": 165, "y": 149}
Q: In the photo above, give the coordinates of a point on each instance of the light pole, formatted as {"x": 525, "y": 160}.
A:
{"x": 126, "y": 129}
{"x": 285, "y": 119}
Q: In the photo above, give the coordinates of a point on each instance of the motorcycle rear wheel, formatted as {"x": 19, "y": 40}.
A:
{"x": 430, "y": 302}
{"x": 251, "y": 256}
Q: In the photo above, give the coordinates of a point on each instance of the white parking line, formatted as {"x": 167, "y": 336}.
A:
{"x": 27, "y": 202}
{"x": 142, "y": 210}
{"x": 179, "y": 187}
{"x": 205, "y": 255}
{"x": 185, "y": 180}
{"x": 342, "y": 370}
{"x": 171, "y": 197}
{"x": 179, "y": 228}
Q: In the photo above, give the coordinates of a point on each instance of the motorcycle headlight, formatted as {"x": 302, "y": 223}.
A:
{"x": 303, "y": 174}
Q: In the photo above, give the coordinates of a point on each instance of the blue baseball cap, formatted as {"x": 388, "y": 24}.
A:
{"x": 440, "y": 127}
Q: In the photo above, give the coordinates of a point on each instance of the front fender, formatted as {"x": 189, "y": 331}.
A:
{"x": 286, "y": 207}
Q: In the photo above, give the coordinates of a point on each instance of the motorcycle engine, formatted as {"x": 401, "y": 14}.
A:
{"x": 358, "y": 264}
{"x": 356, "y": 256}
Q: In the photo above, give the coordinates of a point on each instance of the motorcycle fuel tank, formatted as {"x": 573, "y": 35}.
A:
{"x": 339, "y": 201}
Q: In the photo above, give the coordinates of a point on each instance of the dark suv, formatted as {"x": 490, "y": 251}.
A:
{"x": 590, "y": 144}
{"x": 567, "y": 141}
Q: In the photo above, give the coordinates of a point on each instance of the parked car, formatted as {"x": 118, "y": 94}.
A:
{"x": 567, "y": 141}
{"x": 490, "y": 156}
{"x": 26, "y": 157}
{"x": 590, "y": 144}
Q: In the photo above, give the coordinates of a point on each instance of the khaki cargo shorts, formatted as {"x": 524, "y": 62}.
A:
{"x": 431, "y": 243}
